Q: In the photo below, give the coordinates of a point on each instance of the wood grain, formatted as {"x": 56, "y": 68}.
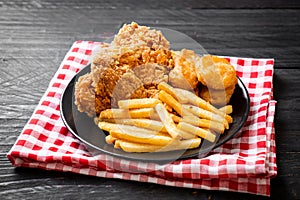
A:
{"x": 35, "y": 35}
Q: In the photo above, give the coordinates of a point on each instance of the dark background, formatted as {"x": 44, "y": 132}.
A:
{"x": 35, "y": 36}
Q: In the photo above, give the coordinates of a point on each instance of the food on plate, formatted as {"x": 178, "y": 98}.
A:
{"x": 85, "y": 95}
{"x": 168, "y": 122}
{"x": 115, "y": 113}
{"x": 204, "y": 123}
{"x": 183, "y": 75}
{"x": 146, "y": 125}
{"x": 217, "y": 97}
{"x": 216, "y": 73}
{"x": 219, "y": 79}
{"x": 150, "y": 98}
{"x": 142, "y": 147}
{"x": 138, "y": 103}
{"x": 226, "y": 109}
{"x": 134, "y": 34}
{"x": 140, "y": 122}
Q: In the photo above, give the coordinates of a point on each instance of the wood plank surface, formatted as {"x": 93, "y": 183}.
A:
{"x": 35, "y": 36}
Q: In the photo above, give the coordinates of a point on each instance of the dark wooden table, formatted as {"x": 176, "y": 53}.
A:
{"x": 35, "y": 35}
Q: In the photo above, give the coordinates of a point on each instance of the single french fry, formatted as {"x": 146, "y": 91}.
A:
{"x": 205, "y": 134}
{"x": 110, "y": 139}
{"x": 204, "y": 123}
{"x": 133, "y": 147}
{"x": 226, "y": 109}
{"x": 206, "y": 114}
{"x": 116, "y": 113}
{"x": 175, "y": 118}
{"x": 229, "y": 119}
{"x": 127, "y": 128}
{"x": 143, "y": 123}
{"x": 141, "y": 137}
{"x": 138, "y": 103}
{"x": 168, "y": 122}
{"x": 139, "y": 147}
{"x": 117, "y": 144}
{"x": 135, "y": 134}
{"x": 171, "y": 101}
{"x": 168, "y": 89}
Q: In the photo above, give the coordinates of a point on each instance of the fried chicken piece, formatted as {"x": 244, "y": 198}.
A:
{"x": 133, "y": 46}
{"x": 151, "y": 74}
{"x": 136, "y": 35}
{"x": 184, "y": 73}
{"x": 85, "y": 95}
{"x": 129, "y": 86}
{"x": 112, "y": 64}
{"x": 219, "y": 78}
{"x": 216, "y": 73}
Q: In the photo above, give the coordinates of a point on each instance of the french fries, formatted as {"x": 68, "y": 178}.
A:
{"x": 138, "y": 103}
{"x": 135, "y": 134}
{"x": 205, "y": 134}
{"x": 226, "y": 109}
{"x": 116, "y": 113}
{"x": 110, "y": 139}
{"x": 139, "y": 147}
{"x": 173, "y": 103}
{"x": 204, "y": 123}
{"x": 169, "y": 123}
{"x": 185, "y": 96}
{"x": 143, "y": 123}
{"x": 177, "y": 120}
{"x": 206, "y": 114}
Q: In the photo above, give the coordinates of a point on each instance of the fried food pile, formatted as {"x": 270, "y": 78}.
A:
{"x": 138, "y": 59}
{"x": 135, "y": 64}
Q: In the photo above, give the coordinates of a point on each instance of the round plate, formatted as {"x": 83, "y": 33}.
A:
{"x": 84, "y": 128}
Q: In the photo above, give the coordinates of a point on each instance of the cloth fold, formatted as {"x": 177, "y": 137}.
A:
{"x": 246, "y": 163}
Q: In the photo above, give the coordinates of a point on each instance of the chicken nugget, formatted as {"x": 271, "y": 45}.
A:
{"x": 216, "y": 73}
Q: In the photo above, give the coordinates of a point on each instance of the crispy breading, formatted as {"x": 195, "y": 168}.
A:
{"x": 134, "y": 34}
{"x": 85, "y": 95}
{"x": 137, "y": 60}
{"x": 184, "y": 73}
{"x": 216, "y": 73}
{"x": 219, "y": 79}
{"x": 133, "y": 47}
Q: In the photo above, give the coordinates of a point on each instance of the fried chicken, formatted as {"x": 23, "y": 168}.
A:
{"x": 85, "y": 95}
{"x": 137, "y": 60}
{"x": 133, "y": 34}
{"x": 136, "y": 48}
{"x": 216, "y": 73}
{"x": 219, "y": 79}
{"x": 184, "y": 73}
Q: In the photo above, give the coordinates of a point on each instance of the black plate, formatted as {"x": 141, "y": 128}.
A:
{"x": 85, "y": 130}
{"x": 83, "y": 127}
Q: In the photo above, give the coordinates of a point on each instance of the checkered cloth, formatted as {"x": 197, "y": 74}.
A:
{"x": 243, "y": 164}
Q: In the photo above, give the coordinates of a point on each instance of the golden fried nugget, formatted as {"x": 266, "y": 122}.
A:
{"x": 216, "y": 73}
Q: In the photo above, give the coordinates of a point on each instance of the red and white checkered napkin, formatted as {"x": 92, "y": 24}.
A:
{"x": 244, "y": 164}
